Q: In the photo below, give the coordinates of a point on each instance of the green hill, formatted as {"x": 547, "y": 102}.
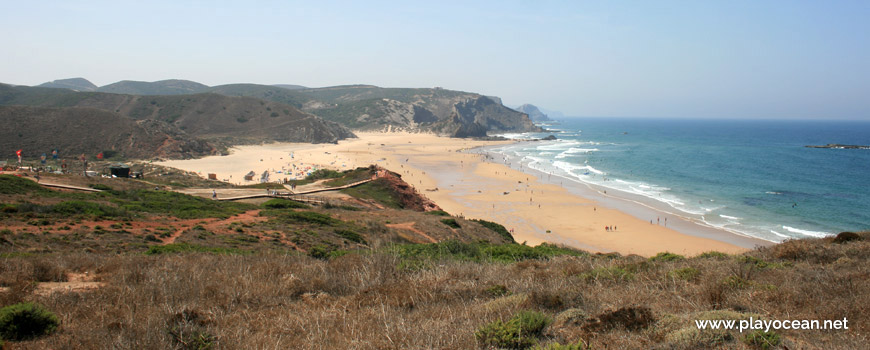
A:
{"x": 75, "y": 130}
{"x": 78, "y": 84}
{"x": 163, "y": 87}
{"x": 209, "y": 115}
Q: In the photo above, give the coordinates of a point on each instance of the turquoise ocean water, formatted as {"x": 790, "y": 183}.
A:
{"x": 750, "y": 177}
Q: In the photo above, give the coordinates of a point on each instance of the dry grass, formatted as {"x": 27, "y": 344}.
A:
{"x": 368, "y": 300}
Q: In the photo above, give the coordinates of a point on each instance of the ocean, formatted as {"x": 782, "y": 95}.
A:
{"x": 750, "y": 177}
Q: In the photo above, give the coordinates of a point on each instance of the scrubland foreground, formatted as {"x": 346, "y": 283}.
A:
{"x": 355, "y": 282}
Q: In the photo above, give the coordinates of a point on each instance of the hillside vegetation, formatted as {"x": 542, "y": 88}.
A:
{"x": 363, "y": 107}
{"x": 208, "y": 116}
{"x": 150, "y": 269}
{"x": 74, "y": 131}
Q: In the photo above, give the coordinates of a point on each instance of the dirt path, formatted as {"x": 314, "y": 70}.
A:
{"x": 410, "y": 227}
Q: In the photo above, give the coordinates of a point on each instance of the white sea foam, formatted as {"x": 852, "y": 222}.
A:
{"x": 780, "y": 234}
{"x": 773, "y": 192}
{"x": 575, "y": 150}
{"x": 730, "y": 217}
{"x": 806, "y": 232}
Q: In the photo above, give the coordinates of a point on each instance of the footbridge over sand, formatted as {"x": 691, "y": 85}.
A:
{"x": 303, "y": 196}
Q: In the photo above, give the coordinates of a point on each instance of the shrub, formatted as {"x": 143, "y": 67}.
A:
{"x": 614, "y": 273}
{"x": 713, "y": 255}
{"x": 25, "y": 321}
{"x": 762, "y": 340}
{"x": 308, "y": 217}
{"x": 556, "y": 346}
{"x": 844, "y": 237}
{"x": 437, "y": 213}
{"x": 629, "y": 318}
{"x": 497, "y": 290}
{"x": 520, "y": 332}
{"x": 451, "y": 222}
{"x": 498, "y": 228}
{"x": 688, "y": 273}
{"x": 100, "y": 187}
{"x": 351, "y": 236}
{"x": 666, "y": 256}
{"x": 278, "y": 203}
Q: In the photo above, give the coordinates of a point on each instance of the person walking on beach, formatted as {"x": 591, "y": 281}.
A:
{"x": 213, "y": 194}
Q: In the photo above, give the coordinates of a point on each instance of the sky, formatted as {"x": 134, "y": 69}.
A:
{"x": 684, "y": 59}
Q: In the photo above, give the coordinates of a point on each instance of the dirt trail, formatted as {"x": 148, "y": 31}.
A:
{"x": 410, "y": 227}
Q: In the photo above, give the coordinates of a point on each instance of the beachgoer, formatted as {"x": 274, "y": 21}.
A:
{"x": 213, "y": 194}
{"x": 614, "y": 227}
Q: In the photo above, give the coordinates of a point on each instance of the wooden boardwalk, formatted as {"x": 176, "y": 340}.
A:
{"x": 296, "y": 195}
{"x": 68, "y": 187}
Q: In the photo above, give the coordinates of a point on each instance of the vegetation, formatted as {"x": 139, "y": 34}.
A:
{"x": 379, "y": 191}
{"x": 498, "y": 228}
{"x": 24, "y": 321}
{"x": 278, "y": 203}
{"x": 520, "y": 332}
{"x": 451, "y": 222}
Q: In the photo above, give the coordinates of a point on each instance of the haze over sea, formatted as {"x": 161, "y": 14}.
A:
{"x": 750, "y": 177}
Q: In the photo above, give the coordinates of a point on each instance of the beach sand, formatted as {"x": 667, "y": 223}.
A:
{"x": 462, "y": 183}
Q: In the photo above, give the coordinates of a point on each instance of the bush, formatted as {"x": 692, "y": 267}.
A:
{"x": 666, "y": 256}
{"x": 498, "y": 228}
{"x": 497, "y": 290}
{"x": 451, "y": 222}
{"x": 762, "y": 340}
{"x": 557, "y": 346}
{"x": 100, "y": 187}
{"x": 278, "y": 203}
{"x": 844, "y": 237}
{"x": 520, "y": 332}
{"x": 437, "y": 213}
{"x": 308, "y": 217}
{"x": 688, "y": 273}
{"x": 351, "y": 236}
{"x": 713, "y": 255}
{"x": 25, "y": 321}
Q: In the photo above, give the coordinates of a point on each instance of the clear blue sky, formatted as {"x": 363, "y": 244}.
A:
{"x": 744, "y": 59}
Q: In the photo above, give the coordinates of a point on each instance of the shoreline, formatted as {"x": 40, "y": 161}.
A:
{"x": 641, "y": 207}
{"x": 450, "y": 173}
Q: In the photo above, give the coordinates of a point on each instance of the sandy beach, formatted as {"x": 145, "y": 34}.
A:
{"x": 463, "y": 183}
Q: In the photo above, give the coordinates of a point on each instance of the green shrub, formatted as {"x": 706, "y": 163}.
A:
{"x": 100, "y": 187}
{"x": 175, "y": 248}
{"x": 666, "y": 256}
{"x": 351, "y": 236}
{"x": 688, "y": 273}
{"x": 556, "y": 346}
{"x": 713, "y": 255}
{"x": 451, "y": 222}
{"x": 77, "y": 207}
{"x": 10, "y": 184}
{"x": 323, "y": 174}
{"x": 308, "y": 217}
{"x": 437, "y": 213}
{"x": 25, "y": 321}
{"x": 614, "y": 273}
{"x": 320, "y": 251}
{"x": 498, "y": 228}
{"x": 278, "y": 203}
{"x": 762, "y": 340}
{"x": 520, "y": 332}
{"x": 497, "y": 290}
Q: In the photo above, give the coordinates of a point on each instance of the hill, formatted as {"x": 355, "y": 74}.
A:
{"x": 290, "y": 86}
{"x": 282, "y": 274}
{"x": 367, "y": 107}
{"x": 209, "y": 115}
{"x": 163, "y": 87}
{"x": 534, "y": 113}
{"x": 74, "y": 131}
{"x": 77, "y": 84}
